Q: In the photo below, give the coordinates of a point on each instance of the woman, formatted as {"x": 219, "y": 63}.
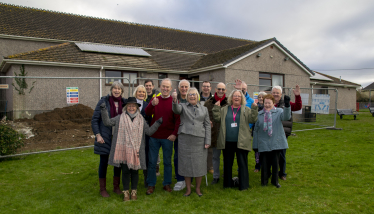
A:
{"x": 235, "y": 136}
{"x": 128, "y": 145}
{"x": 103, "y": 134}
{"x": 194, "y": 139}
{"x": 260, "y": 105}
{"x": 269, "y": 137}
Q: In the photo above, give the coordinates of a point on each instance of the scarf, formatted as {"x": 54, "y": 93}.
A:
{"x": 129, "y": 138}
{"x": 113, "y": 111}
{"x": 141, "y": 103}
{"x": 268, "y": 122}
{"x": 219, "y": 99}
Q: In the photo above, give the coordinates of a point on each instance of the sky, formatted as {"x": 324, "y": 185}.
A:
{"x": 334, "y": 37}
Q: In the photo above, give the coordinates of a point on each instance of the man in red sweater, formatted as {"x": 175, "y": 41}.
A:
{"x": 161, "y": 106}
{"x": 287, "y": 125}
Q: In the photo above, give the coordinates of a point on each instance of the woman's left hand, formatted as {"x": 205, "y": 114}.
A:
{"x": 207, "y": 146}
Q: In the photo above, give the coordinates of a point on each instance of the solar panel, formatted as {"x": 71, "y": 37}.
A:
{"x": 111, "y": 49}
{"x": 320, "y": 77}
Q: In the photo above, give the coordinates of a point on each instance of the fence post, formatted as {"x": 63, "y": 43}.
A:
{"x": 336, "y": 107}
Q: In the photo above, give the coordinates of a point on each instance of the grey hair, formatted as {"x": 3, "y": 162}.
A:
{"x": 263, "y": 93}
{"x": 183, "y": 80}
{"x": 167, "y": 79}
{"x": 137, "y": 88}
{"x": 193, "y": 89}
{"x": 229, "y": 100}
{"x": 117, "y": 84}
{"x": 277, "y": 87}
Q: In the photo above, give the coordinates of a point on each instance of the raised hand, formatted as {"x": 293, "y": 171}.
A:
{"x": 155, "y": 101}
{"x": 238, "y": 84}
{"x": 218, "y": 103}
{"x": 287, "y": 100}
{"x": 174, "y": 95}
{"x": 296, "y": 91}
{"x": 254, "y": 104}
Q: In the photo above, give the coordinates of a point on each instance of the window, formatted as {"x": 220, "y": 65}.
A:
{"x": 161, "y": 76}
{"x": 130, "y": 75}
{"x": 269, "y": 80}
{"x": 322, "y": 90}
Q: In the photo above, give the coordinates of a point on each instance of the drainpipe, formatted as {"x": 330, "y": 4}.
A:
{"x": 100, "y": 80}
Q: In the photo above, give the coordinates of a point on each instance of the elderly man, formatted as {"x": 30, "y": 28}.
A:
{"x": 161, "y": 106}
{"x": 218, "y": 96}
{"x": 287, "y": 125}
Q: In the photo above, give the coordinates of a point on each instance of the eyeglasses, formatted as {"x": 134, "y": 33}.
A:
{"x": 192, "y": 95}
{"x": 221, "y": 89}
{"x": 236, "y": 96}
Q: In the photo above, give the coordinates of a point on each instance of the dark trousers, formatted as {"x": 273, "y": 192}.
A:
{"x": 257, "y": 159}
{"x": 179, "y": 178}
{"x": 129, "y": 175}
{"x": 282, "y": 163}
{"x": 269, "y": 160}
{"x": 228, "y": 160}
{"x": 103, "y": 166}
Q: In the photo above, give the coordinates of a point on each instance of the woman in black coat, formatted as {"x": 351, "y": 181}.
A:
{"x": 103, "y": 135}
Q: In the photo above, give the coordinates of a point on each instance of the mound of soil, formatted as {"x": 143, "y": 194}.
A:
{"x": 61, "y": 128}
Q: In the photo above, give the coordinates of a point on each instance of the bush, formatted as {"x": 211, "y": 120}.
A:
{"x": 10, "y": 140}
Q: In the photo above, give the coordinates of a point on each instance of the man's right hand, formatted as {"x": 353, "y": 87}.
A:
{"x": 155, "y": 101}
{"x": 174, "y": 95}
{"x": 218, "y": 103}
{"x": 100, "y": 139}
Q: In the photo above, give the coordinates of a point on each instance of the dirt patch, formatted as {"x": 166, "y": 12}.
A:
{"x": 61, "y": 128}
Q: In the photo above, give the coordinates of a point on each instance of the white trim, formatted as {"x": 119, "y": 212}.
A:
{"x": 4, "y": 36}
{"x": 265, "y": 46}
{"x": 336, "y": 84}
{"x": 209, "y": 68}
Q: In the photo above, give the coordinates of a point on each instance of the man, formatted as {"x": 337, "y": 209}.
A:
{"x": 218, "y": 96}
{"x": 183, "y": 87}
{"x": 205, "y": 92}
{"x": 241, "y": 85}
{"x": 151, "y": 92}
{"x": 287, "y": 125}
{"x": 161, "y": 106}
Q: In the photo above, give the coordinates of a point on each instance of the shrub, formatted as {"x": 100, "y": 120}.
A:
{"x": 10, "y": 140}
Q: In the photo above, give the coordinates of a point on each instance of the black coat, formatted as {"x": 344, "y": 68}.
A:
{"x": 142, "y": 112}
{"x": 99, "y": 128}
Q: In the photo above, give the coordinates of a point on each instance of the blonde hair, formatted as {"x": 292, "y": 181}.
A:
{"x": 136, "y": 90}
{"x": 193, "y": 89}
{"x": 229, "y": 100}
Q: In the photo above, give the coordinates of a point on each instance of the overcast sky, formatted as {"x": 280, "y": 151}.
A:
{"x": 333, "y": 37}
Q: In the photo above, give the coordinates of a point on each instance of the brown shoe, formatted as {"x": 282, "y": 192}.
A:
{"x": 126, "y": 194}
{"x": 103, "y": 191}
{"x": 150, "y": 190}
{"x": 283, "y": 178}
{"x": 133, "y": 195}
{"x": 167, "y": 188}
{"x": 116, "y": 182}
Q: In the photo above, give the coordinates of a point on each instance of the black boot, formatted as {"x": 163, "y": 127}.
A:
{"x": 145, "y": 178}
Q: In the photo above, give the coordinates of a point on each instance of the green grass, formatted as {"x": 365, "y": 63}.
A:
{"x": 329, "y": 171}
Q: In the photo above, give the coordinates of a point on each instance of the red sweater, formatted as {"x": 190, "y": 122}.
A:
{"x": 170, "y": 121}
{"x": 297, "y": 105}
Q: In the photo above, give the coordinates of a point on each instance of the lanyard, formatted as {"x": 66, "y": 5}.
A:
{"x": 234, "y": 115}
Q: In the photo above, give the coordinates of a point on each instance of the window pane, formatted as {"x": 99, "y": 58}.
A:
{"x": 264, "y": 75}
{"x": 133, "y": 77}
{"x": 277, "y": 80}
{"x": 125, "y": 75}
{"x": 112, "y": 74}
{"x": 265, "y": 82}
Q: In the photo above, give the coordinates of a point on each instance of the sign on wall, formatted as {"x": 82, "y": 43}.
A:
{"x": 320, "y": 103}
{"x": 255, "y": 96}
{"x": 72, "y": 95}
{"x": 304, "y": 98}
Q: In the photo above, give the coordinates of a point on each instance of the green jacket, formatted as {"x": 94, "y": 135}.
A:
{"x": 247, "y": 116}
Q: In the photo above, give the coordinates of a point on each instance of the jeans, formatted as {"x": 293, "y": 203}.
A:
{"x": 179, "y": 178}
{"x": 167, "y": 150}
{"x": 103, "y": 166}
{"x": 216, "y": 162}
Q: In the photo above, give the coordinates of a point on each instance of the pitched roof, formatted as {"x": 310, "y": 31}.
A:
{"x": 70, "y": 53}
{"x": 31, "y": 22}
{"x": 371, "y": 86}
{"x": 334, "y": 80}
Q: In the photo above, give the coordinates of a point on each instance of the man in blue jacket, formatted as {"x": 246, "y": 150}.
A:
{"x": 241, "y": 85}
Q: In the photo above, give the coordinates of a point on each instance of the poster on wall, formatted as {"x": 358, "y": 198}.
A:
{"x": 72, "y": 95}
{"x": 255, "y": 96}
{"x": 320, "y": 103}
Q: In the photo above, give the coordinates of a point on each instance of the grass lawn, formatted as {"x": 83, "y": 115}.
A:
{"x": 329, "y": 171}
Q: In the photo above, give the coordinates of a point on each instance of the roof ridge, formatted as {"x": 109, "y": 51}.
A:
{"x": 124, "y": 22}
{"x": 36, "y": 51}
{"x": 326, "y": 75}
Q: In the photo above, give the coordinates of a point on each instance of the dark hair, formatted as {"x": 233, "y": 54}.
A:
{"x": 270, "y": 97}
{"x": 207, "y": 82}
{"x": 147, "y": 81}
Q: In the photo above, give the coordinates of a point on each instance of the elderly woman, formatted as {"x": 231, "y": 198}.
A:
{"x": 260, "y": 105}
{"x": 194, "y": 139}
{"x": 103, "y": 140}
{"x": 269, "y": 137}
{"x": 128, "y": 145}
{"x": 235, "y": 136}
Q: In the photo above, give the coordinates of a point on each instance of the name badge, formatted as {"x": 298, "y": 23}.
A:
{"x": 233, "y": 125}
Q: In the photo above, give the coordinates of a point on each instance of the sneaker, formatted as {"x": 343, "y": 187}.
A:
{"x": 180, "y": 185}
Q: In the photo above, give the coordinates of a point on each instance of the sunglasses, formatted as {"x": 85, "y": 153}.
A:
{"x": 221, "y": 89}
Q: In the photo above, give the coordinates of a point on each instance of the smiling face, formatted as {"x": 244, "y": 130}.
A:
{"x": 206, "y": 88}
{"x": 149, "y": 87}
{"x": 268, "y": 104}
{"x": 260, "y": 99}
{"x": 236, "y": 99}
{"x": 277, "y": 94}
{"x": 131, "y": 108}
{"x": 141, "y": 94}
{"x": 183, "y": 88}
{"x": 192, "y": 97}
{"x": 165, "y": 88}
{"x": 221, "y": 90}
{"x": 116, "y": 91}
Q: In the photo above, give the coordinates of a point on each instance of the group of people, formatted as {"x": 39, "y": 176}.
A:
{"x": 129, "y": 134}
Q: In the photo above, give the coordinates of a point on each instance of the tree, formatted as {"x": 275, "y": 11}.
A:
{"x": 21, "y": 82}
